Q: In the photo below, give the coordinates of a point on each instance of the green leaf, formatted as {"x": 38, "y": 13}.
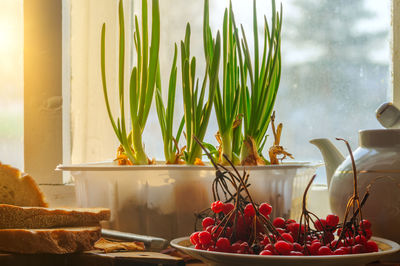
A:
{"x": 133, "y": 93}
{"x": 212, "y": 150}
{"x": 121, "y": 65}
{"x": 104, "y": 82}
{"x": 180, "y": 129}
{"x": 154, "y": 52}
{"x": 171, "y": 92}
{"x": 161, "y": 112}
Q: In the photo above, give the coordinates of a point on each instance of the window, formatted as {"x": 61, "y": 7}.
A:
{"x": 11, "y": 86}
{"x": 350, "y": 66}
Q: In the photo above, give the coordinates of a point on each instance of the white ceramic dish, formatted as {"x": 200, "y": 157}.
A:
{"x": 218, "y": 258}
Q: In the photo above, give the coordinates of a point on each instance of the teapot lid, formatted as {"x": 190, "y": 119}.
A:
{"x": 379, "y": 137}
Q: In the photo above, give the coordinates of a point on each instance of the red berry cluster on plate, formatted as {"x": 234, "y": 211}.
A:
{"x": 242, "y": 233}
{"x": 239, "y": 225}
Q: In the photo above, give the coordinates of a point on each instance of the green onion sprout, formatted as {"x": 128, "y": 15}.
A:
{"x": 196, "y": 112}
{"x": 264, "y": 82}
{"x": 142, "y": 81}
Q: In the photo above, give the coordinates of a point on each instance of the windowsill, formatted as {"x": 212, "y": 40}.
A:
{"x": 59, "y": 195}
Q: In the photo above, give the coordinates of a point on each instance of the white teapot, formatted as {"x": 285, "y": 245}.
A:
{"x": 378, "y": 163}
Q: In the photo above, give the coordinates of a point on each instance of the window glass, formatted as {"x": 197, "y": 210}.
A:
{"x": 11, "y": 83}
{"x": 335, "y": 72}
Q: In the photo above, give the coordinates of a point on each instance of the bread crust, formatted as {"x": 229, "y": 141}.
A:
{"x": 19, "y": 189}
{"x": 53, "y": 241}
{"x": 37, "y": 217}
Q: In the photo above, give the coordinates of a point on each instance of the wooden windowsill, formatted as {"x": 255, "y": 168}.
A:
{"x": 59, "y": 195}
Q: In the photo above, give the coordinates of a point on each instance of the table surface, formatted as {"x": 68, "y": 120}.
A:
{"x": 110, "y": 259}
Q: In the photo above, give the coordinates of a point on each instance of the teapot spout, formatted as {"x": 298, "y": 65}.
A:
{"x": 332, "y": 156}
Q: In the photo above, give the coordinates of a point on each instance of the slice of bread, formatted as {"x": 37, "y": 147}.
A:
{"x": 54, "y": 241}
{"x": 19, "y": 190}
{"x": 37, "y": 217}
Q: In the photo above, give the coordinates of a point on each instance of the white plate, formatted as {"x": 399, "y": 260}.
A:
{"x": 219, "y": 258}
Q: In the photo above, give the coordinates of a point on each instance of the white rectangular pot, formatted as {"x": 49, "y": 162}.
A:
{"x": 160, "y": 200}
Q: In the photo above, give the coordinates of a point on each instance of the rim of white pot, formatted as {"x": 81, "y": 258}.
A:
{"x": 160, "y": 165}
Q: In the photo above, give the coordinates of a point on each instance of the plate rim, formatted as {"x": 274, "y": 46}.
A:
{"x": 395, "y": 247}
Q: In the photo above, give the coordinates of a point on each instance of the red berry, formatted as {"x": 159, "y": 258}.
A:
{"x": 280, "y": 230}
{"x": 228, "y": 232}
{"x": 266, "y": 253}
{"x": 223, "y": 244}
{"x": 269, "y": 247}
{"x": 315, "y": 247}
{"x": 347, "y": 249}
{"x": 287, "y": 237}
{"x": 207, "y": 222}
{"x": 211, "y": 248}
{"x": 194, "y": 238}
{"x": 357, "y": 249}
{"x": 324, "y": 250}
{"x": 217, "y": 206}
{"x": 332, "y": 220}
{"x": 283, "y": 247}
{"x": 198, "y": 246}
{"x": 296, "y": 253}
{"x": 279, "y": 222}
{"x": 360, "y": 239}
{"x": 335, "y": 242}
{"x": 367, "y": 233}
{"x": 204, "y": 237}
{"x": 249, "y": 210}
{"x": 289, "y": 221}
{"x": 349, "y": 241}
{"x": 347, "y": 232}
{"x": 307, "y": 249}
{"x": 216, "y": 231}
{"x": 265, "y": 241}
{"x": 297, "y": 247}
{"x": 244, "y": 246}
{"x": 315, "y": 240}
{"x": 293, "y": 228}
{"x": 340, "y": 251}
{"x": 265, "y": 209}
{"x": 371, "y": 246}
{"x": 365, "y": 224}
{"x": 328, "y": 237}
{"x": 209, "y": 228}
{"x": 320, "y": 224}
{"x": 227, "y": 208}
{"x": 235, "y": 247}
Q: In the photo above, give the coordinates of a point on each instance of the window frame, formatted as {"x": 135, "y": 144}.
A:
{"x": 395, "y": 46}
{"x": 46, "y": 96}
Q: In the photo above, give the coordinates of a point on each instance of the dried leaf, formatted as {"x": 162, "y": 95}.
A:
{"x": 198, "y": 161}
{"x": 276, "y": 149}
{"x": 110, "y": 246}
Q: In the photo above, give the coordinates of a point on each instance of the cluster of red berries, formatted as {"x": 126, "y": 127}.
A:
{"x": 239, "y": 232}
